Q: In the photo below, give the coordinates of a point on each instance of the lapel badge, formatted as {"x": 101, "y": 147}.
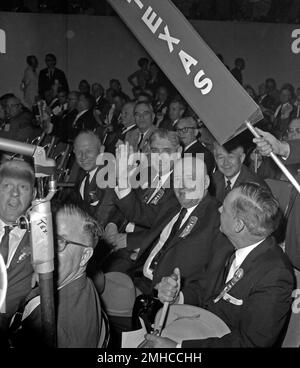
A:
{"x": 158, "y": 196}
{"x": 188, "y": 228}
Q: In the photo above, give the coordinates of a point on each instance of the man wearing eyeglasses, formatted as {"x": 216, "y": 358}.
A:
{"x": 144, "y": 117}
{"x": 19, "y": 124}
{"x": 188, "y": 132}
{"x": 79, "y": 321}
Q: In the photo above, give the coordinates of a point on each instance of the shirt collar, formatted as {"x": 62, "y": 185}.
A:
{"x": 189, "y": 145}
{"x": 93, "y": 172}
{"x": 232, "y": 180}
{"x": 81, "y": 113}
{"x": 242, "y": 253}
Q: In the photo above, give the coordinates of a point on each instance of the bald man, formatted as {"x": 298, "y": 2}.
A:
{"x": 184, "y": 237}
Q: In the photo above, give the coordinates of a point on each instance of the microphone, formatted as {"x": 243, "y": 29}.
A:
{"x": 239, "y": 273}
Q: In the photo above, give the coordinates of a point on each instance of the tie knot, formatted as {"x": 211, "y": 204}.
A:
{"x": 228, "y": 182}
{"x": 7, "y": 230}
{"x": 183, "y": 212}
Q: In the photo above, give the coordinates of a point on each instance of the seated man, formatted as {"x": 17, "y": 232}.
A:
{"x": 184, "y": 236}
{"x": 99, "y": 202}
{"x": 144, "y": 116}
{"x": 258, "y": 304}
{"x": 79, "y": 321}
{"x": 188, "y": 132}
{"x": 16, "y": 193}
{"x": 231, "y": 170}
{"x": 175, "y": 112}
{"x": 141, "y": 206}
{"x": 19, "y": 125}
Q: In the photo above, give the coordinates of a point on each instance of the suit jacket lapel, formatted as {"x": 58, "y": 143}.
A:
{"x": 24, "y": 243}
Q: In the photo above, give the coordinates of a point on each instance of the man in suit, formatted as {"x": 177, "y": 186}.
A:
{"x": 140, "y": 206}
{"x": 257, "y": 306}
{"x": 79, "y": 319}
{"x": 19, "y": 125}
{"x": 127, "y": 125}
{"x": 188, "y": 132}
{"x": 231, "y": 171}
{"x": 98, "y": 202}
{"x": 16, "y": 193}
{"x": 183, "y": 236}
{"x": 84, "y": 119}
{"x": 283, "y": 114}
{"x": 102, "y": 105}
{"x": 144, "y": 117}
{"x": 51, "y": 74}
{"x": 175, "y": 112}
{"x": 290, "y": 152}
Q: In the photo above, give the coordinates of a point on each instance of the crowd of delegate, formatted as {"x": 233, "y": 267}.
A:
{"x": 120, "y": 250}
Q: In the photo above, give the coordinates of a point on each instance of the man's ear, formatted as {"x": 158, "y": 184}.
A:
{"x": 86, "y": 255}
{"x": 239, "y": 226}
{"x": 243, "y": 156}
{"x": 206, "y": 181}
{"x": 179, "y": 151}
{"x": 34, "y": 193}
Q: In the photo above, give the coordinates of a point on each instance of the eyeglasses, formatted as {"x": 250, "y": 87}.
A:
{"x": 294, "y": 130}
{"x": 184, "y": 130}
{"x": 142, "y": 115}
{"x": 62, "y": 243}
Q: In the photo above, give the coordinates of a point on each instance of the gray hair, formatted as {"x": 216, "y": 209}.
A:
{"x": 257, "y": 208}
{"x": 162, "y": 133}
{"x": 17, "y": 169}
{"x": 90, "y": 227}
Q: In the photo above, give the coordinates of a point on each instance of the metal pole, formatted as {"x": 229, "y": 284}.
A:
{"x": 47, "y": 309}
{"x": 277, "y": 161}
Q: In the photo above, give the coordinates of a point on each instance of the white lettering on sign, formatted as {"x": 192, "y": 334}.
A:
{"x": 153, "y": 22}
{"x": 296, "y": 44}
{"x": 187, "y": 61}
{"x": 205, "y": 85}
{"x": 167, "y": 37}
{"x": 2, "y": 42}
{"x": 138, "y": 3}
{"x": 149, "y": 18}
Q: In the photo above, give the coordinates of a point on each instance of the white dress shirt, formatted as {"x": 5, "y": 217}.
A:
{"x": 15, "y": 237}
{"x": 232, "y": 180}
{"x": 240, "y": 256}
{"x": 162, "y": 239}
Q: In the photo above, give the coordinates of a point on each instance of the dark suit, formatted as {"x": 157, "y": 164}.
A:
{"x": 86, "y": 121}
{"x": 245, "y": 176}
{"x": 292, "y": 239}
{"x": 135, "y": 208}
{"x": 101, "y": 201}
{"x": 264, "y": 295}
{"x": 19, "y": 274}
{"x": 168, "y": 124}
{"x": 103, "y": 106}
{"x": 113, "y": 137}
{"x": 20, "y": 128}
{"x": 190, "y": 253}
{"x": 46, "y": 82}
{"x": 209, "y": 160}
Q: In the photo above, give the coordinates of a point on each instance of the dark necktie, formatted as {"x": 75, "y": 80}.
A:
{"x": 140, "y": 141}
{"x": 86, "y": 192}
{"x": 173, "y": 232}
{"x": 228, "y": 187}
{"x": 228, "y": 264}
{"x": 4, "y": 245}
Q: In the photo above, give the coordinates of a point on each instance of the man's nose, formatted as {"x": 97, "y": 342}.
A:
{"x": 15, "y": 192}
